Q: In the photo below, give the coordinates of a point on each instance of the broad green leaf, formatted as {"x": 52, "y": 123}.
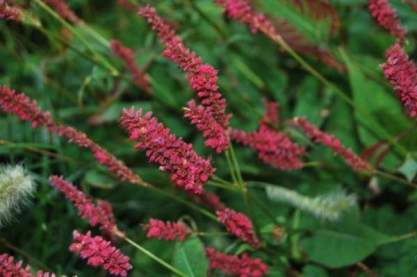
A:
{"x": 190, "y": 258}
{"x": 343, "y": 244}
{"x": 409, "y": 168}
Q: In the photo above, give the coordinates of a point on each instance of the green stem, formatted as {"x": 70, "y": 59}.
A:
{"x": 231, "y": 168}
{"x": 153, "y": 257}
{"x": 95, "y": 54}
{"x": 400, "y": 238}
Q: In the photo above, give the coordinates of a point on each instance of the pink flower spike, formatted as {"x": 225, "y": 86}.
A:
{"x": 128, "y": 57}
{"x": 11, "y": 268}
{"x": 387, "y": 18}
{"x": 202, "y": 79}
{"x": 187, "y": 169}
{"x": 28, "y": 110}
{"x": 62, "y": 8}
{"x": 239, "y": 225}
{"x": 166, "y": 230}
{"x": 100, "y": 253}
{"x": 242, "y": 266}
{"x": 402, "y": 75}
{"x": 214, "y": 134}
{"x": 100, "y": 214}
{"x": 9, "y": 13}
{"x": 356, "y": 162}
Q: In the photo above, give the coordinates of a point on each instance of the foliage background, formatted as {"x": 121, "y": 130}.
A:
{"x": 78, "y": 92}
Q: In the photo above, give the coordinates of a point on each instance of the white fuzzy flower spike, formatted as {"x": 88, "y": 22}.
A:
{"x": 15, "y": 188}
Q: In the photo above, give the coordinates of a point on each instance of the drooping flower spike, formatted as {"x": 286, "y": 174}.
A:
{"x": 318, "y": 136}
{"x": 273, "y": 147}
{"x": 243, "y": 266}
{"x": 401, "y": 72}
{"x": 161, "y": 230}
{"x": 97, "y": 215}
{"x": 62, "y": 8}
{"x": 210, "y": 115}
{"x": 28, "y": 110}
{"x": 187, "y": 169}
{"x": 9, "y": 267}
{"x": 128, "y": 57}
{"x": 243, "y": 12}
{"x": 239, "y": 225}
{"x": 100, "y": 253}
{"x": 387, "y": 18}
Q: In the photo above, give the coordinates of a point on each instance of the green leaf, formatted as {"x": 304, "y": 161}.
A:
{"x": 190, "y": 258}
{"x": 342, "y": 244}
{"x": 408, "y": 168}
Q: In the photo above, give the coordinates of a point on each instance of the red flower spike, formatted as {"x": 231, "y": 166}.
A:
{"x": 239, "y": 225}
{"x": 28, "y": 110}
{"x": 387, "y": 18}
{"x": 273, "y": 147}
{"x": 242, "y": 266}
{"x": 402, "y": 75}
{"x": 100, "y": 253}
{"x": 356, "y": 162}
{"x": 100, "y": 214}
{"x": 166, "y": 230}
{"x": 202, "y": 79}
{"x": 188, "y": 170}
{"x": 62, "y": 8}
{"x": 11, "y": 268}
{"x": 9, "y": 13}
{"x": 214, "y": 134}
{"x": 127, "y": 56}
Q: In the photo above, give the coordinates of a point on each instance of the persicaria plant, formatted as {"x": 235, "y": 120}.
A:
{"x": 208, "y": 138}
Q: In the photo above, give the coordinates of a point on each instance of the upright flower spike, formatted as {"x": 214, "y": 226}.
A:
{"x": 239, "y": 225}
{"x": 100, "y": 253}
{"x": 28, "y": 110}
{"x": 187, "y": 169}
{"x": 387, "y": 18}
{"x": 128, "y": 57}
{"x": 273, "y": 147}
{"x": 62, "y": 8}
{"x": 11, "y": 268}
{"x": 15, "y": 188}
{"x": 243, "y": 266}
{"x": 100, "y": 214}
{"x": 402, "y": 75}
{"x": 354, "y": 161}
{"x": 210, "y": 116}
{"x": 161, "y": 230}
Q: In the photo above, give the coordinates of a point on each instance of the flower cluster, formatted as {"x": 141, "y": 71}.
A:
{"x": 9, "y": 13}
{"x": 210, "y": 116}
{"x": 63, "y": 10}
{"x": 28, "y": 110}
{"x": 356, "y": 162}
{"x": 166, "y": 230}
{"x": 10, "y": 268}
{"x": 127, "y": 56}
{"x": 242, "y": 11}
{"x": 239, "y": 225}
{"x": 243, "y": 266}
{"x": 100, "y": 253}
{"x": 402, "y": 75}
{"x": 100, "y": 214}
{"x": 188, "y": 170}
{"x": 273, "y": 147}
{"x": 387, "y": 18}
